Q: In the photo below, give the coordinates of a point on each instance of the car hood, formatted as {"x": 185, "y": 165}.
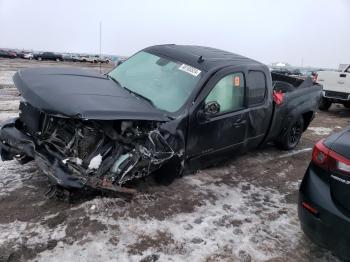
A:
{"x": 83, "y": 94}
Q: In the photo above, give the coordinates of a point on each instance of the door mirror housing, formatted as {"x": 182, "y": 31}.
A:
{"x": 211, "y": 108}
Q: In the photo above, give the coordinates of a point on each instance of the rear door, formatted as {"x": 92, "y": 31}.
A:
{"x": 259, "y": 103}
{"x": 225, "y": 130}
{"x": 347, "y": 80}
{"x": 342, "y": 81}
{"x": 332, "y": 81}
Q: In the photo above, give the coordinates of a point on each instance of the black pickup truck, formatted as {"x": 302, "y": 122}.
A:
{"x": 168, "y": 109}
{"x": 48, "y": 56}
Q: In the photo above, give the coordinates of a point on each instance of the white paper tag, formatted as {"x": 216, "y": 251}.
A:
{"x": 189, "y": 69}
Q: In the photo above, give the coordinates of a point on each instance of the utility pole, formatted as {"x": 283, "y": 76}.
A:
{"x": 100, "y": 44}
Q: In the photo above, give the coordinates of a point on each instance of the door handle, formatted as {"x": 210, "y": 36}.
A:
{"x": 342, "y": 75}
{"x": 239, "y": 122}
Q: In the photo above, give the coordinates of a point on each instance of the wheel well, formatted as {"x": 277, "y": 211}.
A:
{"x": 307, "y": 117}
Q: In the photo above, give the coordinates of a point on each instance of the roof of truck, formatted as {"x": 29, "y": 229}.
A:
{"x": 212, "y": 57}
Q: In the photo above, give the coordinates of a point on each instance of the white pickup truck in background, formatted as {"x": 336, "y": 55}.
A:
{"x": 336, "y": 87}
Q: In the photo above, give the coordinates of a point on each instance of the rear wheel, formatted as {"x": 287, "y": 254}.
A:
{"x": 39, "y": 58}
{"x": 324, "y": 104}
{"x": 292, "y": 136}
{"x": 57, "y": 59}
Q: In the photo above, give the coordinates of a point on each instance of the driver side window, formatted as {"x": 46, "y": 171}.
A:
{"x": 228, "y": 93}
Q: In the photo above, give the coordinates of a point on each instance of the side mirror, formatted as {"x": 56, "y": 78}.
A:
{"x": 211, "y": 108}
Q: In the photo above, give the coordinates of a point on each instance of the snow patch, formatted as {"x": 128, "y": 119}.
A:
{"x": 95, "y": 162}
{"x": 295, "y": 152}
{"x": 6, "y": 77}
{"x": 17, "y": 234}
{"x": 321, "y": 131}
{"x": 244, "y": 219}
{"x": 12, "y": 175}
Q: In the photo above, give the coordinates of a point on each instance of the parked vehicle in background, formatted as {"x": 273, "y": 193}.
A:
{"x": 87, "y": 130}
{"x": 71, "y": 58}
{"x": 48, "y": 56}
{"x": 29, "y": 56}
{"x": 336, "y": 87}
{"x": 103, "y": 59}
{"x": 282, "y": 71}
{"x": 7, "y": 54}
{"x": 89, "y": 59}
{"x": 296, "y": 72}
{"x": 324, "y": 195}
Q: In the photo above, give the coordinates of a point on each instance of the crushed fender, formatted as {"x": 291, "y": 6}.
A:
{"x": 82, "y": 154}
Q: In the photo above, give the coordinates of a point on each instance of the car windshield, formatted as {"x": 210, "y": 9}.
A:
{"x": 165, "y": 83}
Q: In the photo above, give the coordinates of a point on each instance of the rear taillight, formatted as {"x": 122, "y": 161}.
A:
{"x": 320, "y": 155}
{"x": 323, "y": 157}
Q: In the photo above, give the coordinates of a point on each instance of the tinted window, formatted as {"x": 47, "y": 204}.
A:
{"x": 256, "y": 88}
{"x": 228, "y": 93}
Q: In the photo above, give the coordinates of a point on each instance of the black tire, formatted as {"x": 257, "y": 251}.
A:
{"x": 291, "y": 137}
{"x": 347, "y": 105}
{"x": 168, "y": 172}
{"x": 324, "y": 104}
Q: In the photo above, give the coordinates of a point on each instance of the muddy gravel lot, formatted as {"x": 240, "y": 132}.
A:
{"x": 241, "y": 210}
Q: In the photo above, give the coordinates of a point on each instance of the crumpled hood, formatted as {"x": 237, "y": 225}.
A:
{"x": 81, "y": 93}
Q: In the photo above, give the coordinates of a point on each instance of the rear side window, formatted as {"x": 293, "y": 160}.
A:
{"x": 257, "y": 89}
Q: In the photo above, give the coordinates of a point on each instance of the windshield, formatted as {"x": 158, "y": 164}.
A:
{"x": 165, "y": 83}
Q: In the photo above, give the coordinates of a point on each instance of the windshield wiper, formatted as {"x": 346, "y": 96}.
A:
{"x": 114, "y": 80}
{"x": 139, "y": 95}
{"x": 130, "y": 91}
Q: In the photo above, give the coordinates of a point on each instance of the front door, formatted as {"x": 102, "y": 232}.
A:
{"x": 226, "y": 129}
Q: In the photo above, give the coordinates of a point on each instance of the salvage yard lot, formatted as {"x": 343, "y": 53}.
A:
{"x": 241, "y": 210}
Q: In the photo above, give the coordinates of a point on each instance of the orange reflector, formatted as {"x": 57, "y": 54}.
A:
{"x": 309, "y": 208}
{"x": 237, "y": 81}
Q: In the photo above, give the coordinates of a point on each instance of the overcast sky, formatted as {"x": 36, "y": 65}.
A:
{"x": 317, "y": 32}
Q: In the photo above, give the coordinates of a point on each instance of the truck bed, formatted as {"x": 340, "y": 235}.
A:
{"x": 300, "y": 97}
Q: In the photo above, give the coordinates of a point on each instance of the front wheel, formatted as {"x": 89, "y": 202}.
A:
{"x": 347, "y": 104}
{"x": 324, "y": 104}
{"x": 292, "y": 135}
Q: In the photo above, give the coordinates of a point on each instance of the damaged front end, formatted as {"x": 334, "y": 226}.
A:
{"x": 81, "y": 154}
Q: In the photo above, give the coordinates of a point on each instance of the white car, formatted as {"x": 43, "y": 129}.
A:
{"x": 29, "y": 56}
{"x": 90, "y": 59}
{"x": 336, "y": 87}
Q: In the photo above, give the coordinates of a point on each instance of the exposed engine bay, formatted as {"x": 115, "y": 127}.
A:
{"x": 98, "y": 154}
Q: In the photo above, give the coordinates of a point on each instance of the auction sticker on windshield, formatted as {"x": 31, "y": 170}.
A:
{"x": 189, "y": 69}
